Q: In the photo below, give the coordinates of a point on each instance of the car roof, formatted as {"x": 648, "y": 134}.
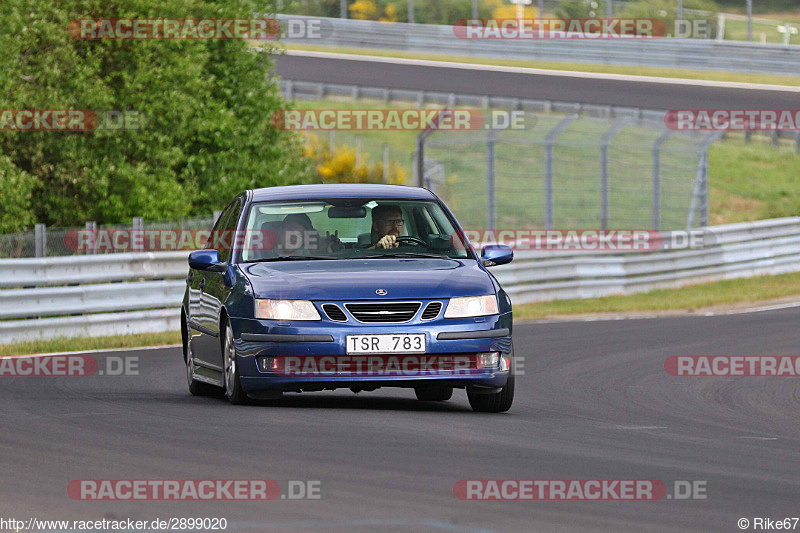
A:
{"x": 341, "y": 190}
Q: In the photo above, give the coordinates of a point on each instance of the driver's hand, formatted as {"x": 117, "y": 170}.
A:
{"x": 386, "y": 242}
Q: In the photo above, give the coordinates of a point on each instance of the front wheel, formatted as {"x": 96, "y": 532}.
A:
{"x": 233, "y": 385}
{"x": 498, "y": 402}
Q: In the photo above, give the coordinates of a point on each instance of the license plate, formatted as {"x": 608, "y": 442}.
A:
{"x": 393, "y": 343}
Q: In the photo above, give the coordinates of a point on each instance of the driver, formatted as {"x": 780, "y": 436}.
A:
{"x": 387, "y": 221}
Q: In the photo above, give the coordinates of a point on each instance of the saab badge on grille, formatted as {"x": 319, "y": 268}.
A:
{"x": 381, "y": 292}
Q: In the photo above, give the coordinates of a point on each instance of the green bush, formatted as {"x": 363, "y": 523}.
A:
{"x": 209, "y": 104}
{"x": 16, "y": 197}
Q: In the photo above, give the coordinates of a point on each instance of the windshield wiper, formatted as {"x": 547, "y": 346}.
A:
{"x": 293, "y": 258}
{"x": 404, "y": 254}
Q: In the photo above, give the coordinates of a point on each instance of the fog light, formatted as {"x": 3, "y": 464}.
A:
{"x": 488, "y": 360}
{"x": 267, "y": 364}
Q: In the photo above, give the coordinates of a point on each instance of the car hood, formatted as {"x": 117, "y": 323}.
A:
{"x": 359, "y": 279}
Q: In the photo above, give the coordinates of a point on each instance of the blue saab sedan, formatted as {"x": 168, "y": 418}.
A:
{"x": 319, "y": 287}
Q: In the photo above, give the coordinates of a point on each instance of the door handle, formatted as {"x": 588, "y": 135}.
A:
{"x": 202, "y": 284}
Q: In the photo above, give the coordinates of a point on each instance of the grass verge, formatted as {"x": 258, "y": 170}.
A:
{"x": 692, "y": 298}
{"x": 632, "y": 70}
{"x": 91, "y": 343}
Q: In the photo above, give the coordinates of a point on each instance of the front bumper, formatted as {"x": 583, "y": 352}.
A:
{"x": 255, "y": 339}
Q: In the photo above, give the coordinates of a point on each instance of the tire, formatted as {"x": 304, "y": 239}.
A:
{"x": 498, "y": 402}
{"x": 233, "y": 385}
{"x": 196, "y": 388}
{"x": 434, "y": 394}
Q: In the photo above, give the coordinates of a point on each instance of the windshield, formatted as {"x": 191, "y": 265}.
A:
{"x": 349, "y": 229}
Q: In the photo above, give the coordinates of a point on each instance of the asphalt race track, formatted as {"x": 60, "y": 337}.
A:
{"x": 655, "y": 94}
{"x": 594, "y": 403}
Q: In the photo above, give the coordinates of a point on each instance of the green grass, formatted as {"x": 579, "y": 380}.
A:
{"x": 578, "y": 67}
{"x": 91, "y": 343}
{"x": 692, "y": 298}
{"x": 752, "y": 182}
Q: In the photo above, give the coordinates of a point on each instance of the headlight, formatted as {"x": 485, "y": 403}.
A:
{"x": 286, "y": 310}
{"x": 470, "y": 306}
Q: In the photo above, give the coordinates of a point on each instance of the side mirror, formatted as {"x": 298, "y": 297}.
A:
{"x": 496, "y": 254}
{"x": 206, "y": 260}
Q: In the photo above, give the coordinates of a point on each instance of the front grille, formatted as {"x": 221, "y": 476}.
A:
{"x": 384, "y": 312}
{"x": 431, "y": 311}
{"x": 334, "y": 313}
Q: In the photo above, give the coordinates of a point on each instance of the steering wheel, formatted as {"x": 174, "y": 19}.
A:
{"x": 411, "y": 240}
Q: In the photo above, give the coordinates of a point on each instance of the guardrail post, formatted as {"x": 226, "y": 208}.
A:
{"x": 331, "y": 141}
{"x": 92, "y": 227}
{"x": 40, "y": 240}
{"x": 386, "y": 162}
{"x": 797, "y": 141}
{"x": 491, "y": 202}
{"x": 549, "y": 141}
{"x": 605, "y": 141}
{"x": 355, "y": 93}
{"x": 343, "y": 8}
{"x": 655, "y": 222}
{"x": 386, "y": 97}
{"x": 289, "y": 89}
{"x": 358, "y": 150}
{"x": 137, "y": 226}
{"x": 411, "y": 11}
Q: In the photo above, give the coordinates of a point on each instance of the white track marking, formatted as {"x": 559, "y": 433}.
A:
{"x": 107, "y": 350}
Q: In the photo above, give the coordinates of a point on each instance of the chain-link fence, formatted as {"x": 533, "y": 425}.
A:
{"x": 572, "y": 171}
{"x": 62, "y": 241}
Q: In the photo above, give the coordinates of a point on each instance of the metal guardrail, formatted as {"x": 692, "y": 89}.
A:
{"x": 136, "y": 293}
{"x": 699, "y": 54}
{"x": 311, "y": 90}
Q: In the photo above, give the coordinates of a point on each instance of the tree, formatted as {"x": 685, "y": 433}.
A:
{"x": 208, "y": 103}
